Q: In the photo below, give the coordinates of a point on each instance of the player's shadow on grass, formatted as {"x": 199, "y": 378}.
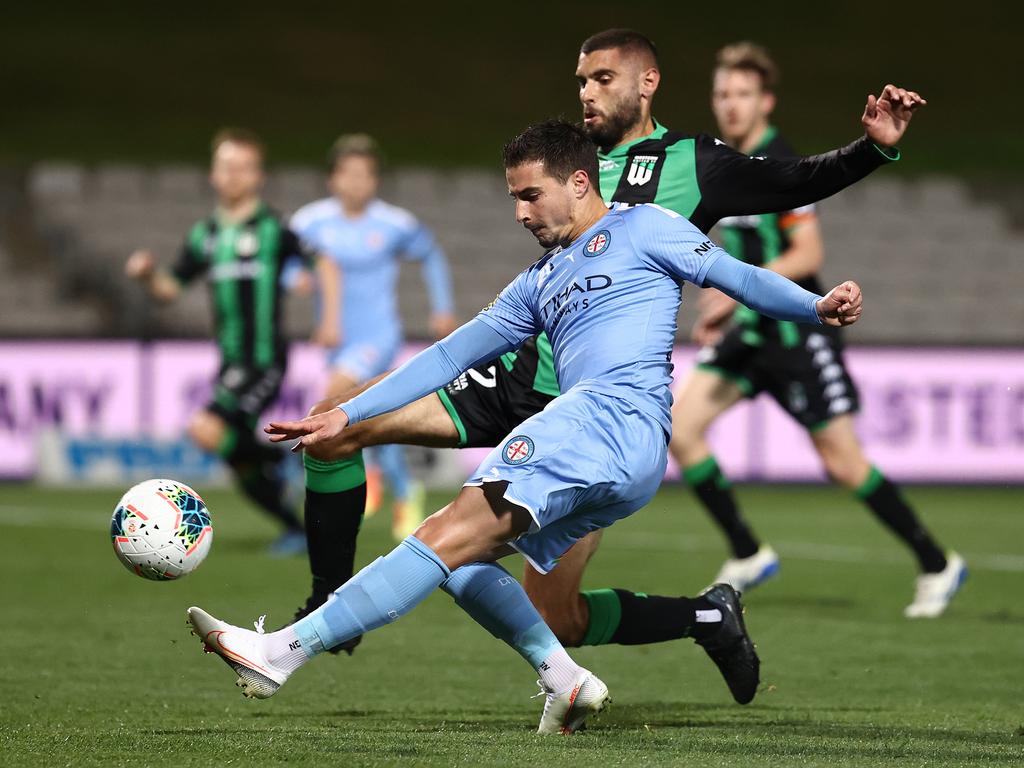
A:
{"x": 1003, "y": 617}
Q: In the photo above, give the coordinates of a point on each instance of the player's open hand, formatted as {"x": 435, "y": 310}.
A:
{"x": 842, "y": 305}
{"x": 311, "y": 430}
{"x": 886, "y": 117}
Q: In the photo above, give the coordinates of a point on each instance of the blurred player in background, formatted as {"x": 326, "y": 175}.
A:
{"x": 242, "y": 249}
{"x": 802, "y": 368}
{"x": 366, "y": 237}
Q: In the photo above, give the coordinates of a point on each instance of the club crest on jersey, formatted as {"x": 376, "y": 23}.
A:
{"x": 247, "y": 244}
{"x": 517, "y": 450}
{"x": 598, "y": 244}
{"x": 641, "y": 170}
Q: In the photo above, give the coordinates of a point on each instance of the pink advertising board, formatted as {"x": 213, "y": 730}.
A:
{"x": 937, "y": 415}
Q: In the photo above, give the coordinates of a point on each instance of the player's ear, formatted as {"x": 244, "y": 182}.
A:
{"x": 649, "y": 80}
{"x": 768, "y": 103}
{"x": 580, "y": 183}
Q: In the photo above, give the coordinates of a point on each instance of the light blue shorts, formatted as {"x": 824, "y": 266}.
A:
{"x": 582, "y": 463}
{"x": 364, "y": 359}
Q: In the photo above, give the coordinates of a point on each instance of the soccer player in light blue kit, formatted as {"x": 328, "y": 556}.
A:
{"x": 367, "y": 237}
{"x": 607, "y": 295}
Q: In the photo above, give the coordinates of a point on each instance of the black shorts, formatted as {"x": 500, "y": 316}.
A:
{"x": 809, "y": 379}
{"x": 488, "y": 402}
{"x": 242, "y": 393}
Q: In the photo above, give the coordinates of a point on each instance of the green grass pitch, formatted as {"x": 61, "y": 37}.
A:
{"x": 97, "y": 667}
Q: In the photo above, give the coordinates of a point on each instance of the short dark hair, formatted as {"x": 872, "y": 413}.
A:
{"x": 561, "y": 146}
{"x": 622, "y": 39}
{"x": 750, "y": 57}
{"x": 239, "y": 136}
{"x": 348, "y": 144}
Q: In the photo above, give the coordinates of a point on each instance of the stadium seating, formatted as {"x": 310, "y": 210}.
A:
{"x": 906, "y": 242}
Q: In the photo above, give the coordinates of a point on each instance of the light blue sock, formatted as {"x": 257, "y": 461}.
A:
{"x": 497, "y": 602}
{"x": 383, "y": 591}
{"x": 391, "y": 459}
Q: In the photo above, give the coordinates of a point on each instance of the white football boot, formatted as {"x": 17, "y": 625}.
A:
{"x": 935, "y": 590}
{"x": 745, "y": 573}
{"x": 242, "y": 650}
{"x": 566, "y": 712}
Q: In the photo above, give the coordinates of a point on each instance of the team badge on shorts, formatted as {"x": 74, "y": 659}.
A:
{"x": 517, "y": 450}
{"x": 598, "y": 244}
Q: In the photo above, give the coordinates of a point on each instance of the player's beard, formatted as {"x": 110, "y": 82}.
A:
{"x": 625, "y": 115}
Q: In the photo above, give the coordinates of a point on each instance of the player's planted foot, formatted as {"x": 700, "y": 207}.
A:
{"x": 566, "y": 711}
{"x": 730, "y": 647}
{"x": 745, "y": 573}
{"x": 935, "y": 590}
{"x": 288, "y": 544}
{"x": 248, "y": 653}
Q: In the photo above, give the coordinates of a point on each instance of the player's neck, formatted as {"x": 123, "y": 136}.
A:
{"x": 235, "y": 211}
{"x": 591, "y": 211}
{"x": 645, "y": 127}
{"x": 352, "y": 210}
{"x": 752, "y": 140}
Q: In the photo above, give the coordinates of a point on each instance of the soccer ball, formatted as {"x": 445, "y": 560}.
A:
{"x": 161, "y": 530}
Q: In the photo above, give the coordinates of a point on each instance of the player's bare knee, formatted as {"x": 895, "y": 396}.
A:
{"x": 206, "y": 430}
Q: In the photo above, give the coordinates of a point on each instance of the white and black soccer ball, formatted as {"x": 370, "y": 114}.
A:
{"x": 161, "y": 530}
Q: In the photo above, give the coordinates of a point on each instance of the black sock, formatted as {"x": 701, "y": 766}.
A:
{"x": 634, "y": 618}
{"x": 885, "y": 500}
{"x": 711, "y": 487}
{"x": 335, "y": 503}
{"x": 257, "y": 469}
{"x": 332, "y": 526}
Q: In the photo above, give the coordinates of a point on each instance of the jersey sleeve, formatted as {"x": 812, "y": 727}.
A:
{"x": 295, "y": 249}
{"x": 511, "y": 313}
{"x": 473, "y": 343}
{"x": 733, "y": 184}
{"x": 191, "y": 261}
{"x": 671, "y": 244}
{"x": 420, "y": 245}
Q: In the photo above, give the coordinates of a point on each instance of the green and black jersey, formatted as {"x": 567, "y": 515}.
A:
{"x": 760, "y": 239}
{"x": 705, "y": 180}
{"x": 243, "y": 261}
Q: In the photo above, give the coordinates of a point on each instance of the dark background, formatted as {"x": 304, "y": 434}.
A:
{"x": 446, "y": 84}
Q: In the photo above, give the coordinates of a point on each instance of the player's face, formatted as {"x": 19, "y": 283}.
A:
{"x": 740, "y": 104}
{"x": 354, "y": 181}
{"x": 609, "y": 84}
{"x": 236, "y": 172}
{"x": 544, "y": 205}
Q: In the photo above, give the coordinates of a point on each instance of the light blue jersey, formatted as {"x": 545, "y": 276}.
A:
{"x": 367, "y": 248}
{"x": 608, "y": 303}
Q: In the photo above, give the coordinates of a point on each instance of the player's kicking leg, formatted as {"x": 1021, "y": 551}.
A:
{"x": 620, "y": 616}
{"x": 942, "y": 573}
{"x": 453, "y": 549}
{"x": 704, "y": 395}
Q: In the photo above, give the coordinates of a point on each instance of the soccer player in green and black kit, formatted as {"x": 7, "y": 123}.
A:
{"x": 242, "y": 248}
{"x": 640, "y": 161}
{"x": 802, "y": 368}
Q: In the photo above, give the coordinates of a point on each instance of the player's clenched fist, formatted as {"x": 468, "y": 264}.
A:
{"x": 842, "y": 305}
{"x": 310, "y": 430}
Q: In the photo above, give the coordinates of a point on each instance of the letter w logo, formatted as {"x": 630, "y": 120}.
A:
{"x": 641, "y": 170}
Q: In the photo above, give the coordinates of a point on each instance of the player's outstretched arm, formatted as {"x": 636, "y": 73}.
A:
{"x": 733, "y": 184}
{"x": 142, "y": 266}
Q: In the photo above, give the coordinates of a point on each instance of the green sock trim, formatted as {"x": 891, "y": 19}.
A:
{"x": 703, "y": 471}
{"x": 456, "y": 419}
{"x": 869, "y": 486}
{"x": 605, "y": 615}
{"x": 228, "y": 443}
{"x": 334, "y": 476}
